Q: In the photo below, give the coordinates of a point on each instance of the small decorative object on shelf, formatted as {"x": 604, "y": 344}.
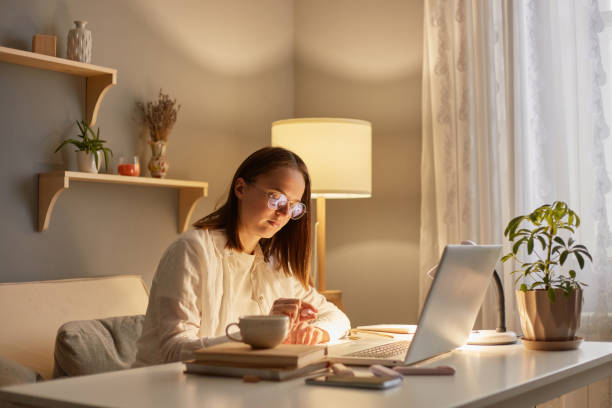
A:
{"x": 89, "y": 149}
{"x": 159, "y": 117}
{"x": 129, "y": 166}
{"x": 549, "y": 301}
{"x": 79, "y": 43}
{"x": 44, "y": 44}
{"x": 158, "y": 165}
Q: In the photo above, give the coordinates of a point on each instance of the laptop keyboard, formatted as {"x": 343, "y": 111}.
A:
{"x": 383, "y": 351}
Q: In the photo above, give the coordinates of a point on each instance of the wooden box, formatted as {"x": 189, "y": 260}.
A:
{"x": 44, "y": 44}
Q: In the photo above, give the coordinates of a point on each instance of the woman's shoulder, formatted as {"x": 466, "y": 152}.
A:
{"x": 207, "y": 239}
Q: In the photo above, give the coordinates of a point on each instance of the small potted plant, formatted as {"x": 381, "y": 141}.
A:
{"x": 159, "y": 117}
{"x": 90, "y": 148}
{"x": 549, "y": 298}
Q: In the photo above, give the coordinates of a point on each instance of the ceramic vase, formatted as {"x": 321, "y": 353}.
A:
{"x": 543, "y": 320}
{"x": 86, "y": 162}
{"x": 79, "y": 43}
{"x": 158, "y": 165}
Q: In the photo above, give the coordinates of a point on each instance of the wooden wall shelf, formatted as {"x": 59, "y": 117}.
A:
{"x": 51, "y": 185}
{"x": 99, "y": 79}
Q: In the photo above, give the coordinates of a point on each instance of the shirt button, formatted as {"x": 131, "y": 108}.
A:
{"x": 260, "y": 298}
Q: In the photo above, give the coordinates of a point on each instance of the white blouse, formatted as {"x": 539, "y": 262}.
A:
{"x": 201, "y": 286}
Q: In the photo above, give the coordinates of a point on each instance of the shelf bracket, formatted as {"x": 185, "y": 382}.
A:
{"x": 188, "y": 197}
{"x": 96, "y": 89}
{"x": 50, "y": 186}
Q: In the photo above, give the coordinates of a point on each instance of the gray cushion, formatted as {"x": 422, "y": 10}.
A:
{"x": 96, "y": 346}
{"x": 12, "y": 373}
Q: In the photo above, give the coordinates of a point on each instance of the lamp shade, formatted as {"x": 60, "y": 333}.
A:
{"x": 337, "y": 152}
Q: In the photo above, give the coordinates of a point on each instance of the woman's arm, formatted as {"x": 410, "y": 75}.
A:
{"x": 174, "y": 304}
{"x": 328, "y": 318}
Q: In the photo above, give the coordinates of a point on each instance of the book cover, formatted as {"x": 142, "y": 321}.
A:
{"x": 283, "y": 355}
{"x": 270, "y": 374}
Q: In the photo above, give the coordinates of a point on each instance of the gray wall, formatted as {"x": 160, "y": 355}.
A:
{"x": 207, "y": 54}
{"x": 235, "y": 66}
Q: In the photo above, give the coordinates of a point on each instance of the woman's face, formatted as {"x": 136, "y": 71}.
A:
{"x": 256, "y": 219}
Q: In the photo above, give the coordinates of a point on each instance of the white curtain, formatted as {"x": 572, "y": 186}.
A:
{"x": 560, "y": 128}
{"x": 512, "y": 119}
{"x": 466, "y": 159}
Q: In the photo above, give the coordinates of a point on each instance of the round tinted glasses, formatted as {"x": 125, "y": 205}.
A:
{"x": 279, "y": 201}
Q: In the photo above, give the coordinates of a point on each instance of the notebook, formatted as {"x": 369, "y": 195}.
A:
{"x": 284, "y": 355}
{"x": 448, "y": 315}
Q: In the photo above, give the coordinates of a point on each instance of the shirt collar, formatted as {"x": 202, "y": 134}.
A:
{"x": 220, "y": 241}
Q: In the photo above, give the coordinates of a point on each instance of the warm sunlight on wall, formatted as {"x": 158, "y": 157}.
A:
{"x": 259, "y": 35}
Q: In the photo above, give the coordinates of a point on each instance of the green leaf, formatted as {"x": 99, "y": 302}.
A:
{"x": 104, "y": 150}
{"x": 513, "y": 224}
{"x": 580, "y": 259}
{"x": 572, "y": 274}
{"x": 530, "y": 246}
{"x": 563, "y": 257}
{"x": 559, "y": 241}
{"x": 517, "y": 245}
{"x": 551, "y": 294}
{"x": 523, "y": 287}
{"x": 556, "y": 249}
{"x": 542, "y": 242}
{"x": 507, "y": 256}
{"x": 74, "y": 142}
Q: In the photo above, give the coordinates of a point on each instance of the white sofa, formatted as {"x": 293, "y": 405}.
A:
{"x": 32, "y": 312}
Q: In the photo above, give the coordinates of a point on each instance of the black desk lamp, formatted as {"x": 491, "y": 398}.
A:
{"x": 500, "y": 335}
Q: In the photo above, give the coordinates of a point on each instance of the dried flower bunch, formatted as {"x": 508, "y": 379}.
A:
{"x": 159, "y": 116}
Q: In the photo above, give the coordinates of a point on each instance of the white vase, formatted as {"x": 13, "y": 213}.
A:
{"x": 86, "y": 162}
{"x": 79, "y": 43}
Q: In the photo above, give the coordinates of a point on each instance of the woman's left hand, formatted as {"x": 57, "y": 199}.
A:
{"x": 296, "y": 309}
{"x": 304, "y": 333}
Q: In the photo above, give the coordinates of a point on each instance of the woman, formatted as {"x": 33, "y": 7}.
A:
{"x": 251, "y": 256}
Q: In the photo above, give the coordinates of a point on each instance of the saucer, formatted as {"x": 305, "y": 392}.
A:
{"x": 552, "y": 345}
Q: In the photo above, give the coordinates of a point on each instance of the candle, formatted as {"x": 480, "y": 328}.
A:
{"x": 127, "y": 169}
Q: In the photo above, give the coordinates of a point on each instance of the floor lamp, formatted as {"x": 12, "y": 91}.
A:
{"x": 338, "y": 153}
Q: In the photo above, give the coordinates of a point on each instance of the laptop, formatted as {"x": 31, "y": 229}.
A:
{"x": 447, "y": 318}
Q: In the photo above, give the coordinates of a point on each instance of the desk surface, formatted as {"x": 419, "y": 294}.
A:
{"x": 503, "y": 376}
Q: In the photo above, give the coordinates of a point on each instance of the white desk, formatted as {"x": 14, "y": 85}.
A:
{"x": 502, "y": 376}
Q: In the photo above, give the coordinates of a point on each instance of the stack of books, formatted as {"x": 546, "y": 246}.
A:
{"x": 277, "y": 364}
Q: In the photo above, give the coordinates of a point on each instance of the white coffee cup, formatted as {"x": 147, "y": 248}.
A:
{"x": 261, "y": 331}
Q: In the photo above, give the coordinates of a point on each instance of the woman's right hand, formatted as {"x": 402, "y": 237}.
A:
{"x": 297, "y": 310}
{"x": 304, "y": 333}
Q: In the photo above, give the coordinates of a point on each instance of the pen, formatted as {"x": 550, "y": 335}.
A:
{"x": 371, "y": 332}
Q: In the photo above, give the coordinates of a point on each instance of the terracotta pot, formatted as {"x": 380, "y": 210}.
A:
{"x": 544, "y": 320}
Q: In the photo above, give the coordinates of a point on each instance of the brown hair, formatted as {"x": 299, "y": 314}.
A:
{"x": 290, "y": 246}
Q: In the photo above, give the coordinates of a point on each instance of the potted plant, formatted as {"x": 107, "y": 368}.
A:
{"x": 89, "y": 148}
{"x": 159, "y": 117}
{"x": 549, "y": 298}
